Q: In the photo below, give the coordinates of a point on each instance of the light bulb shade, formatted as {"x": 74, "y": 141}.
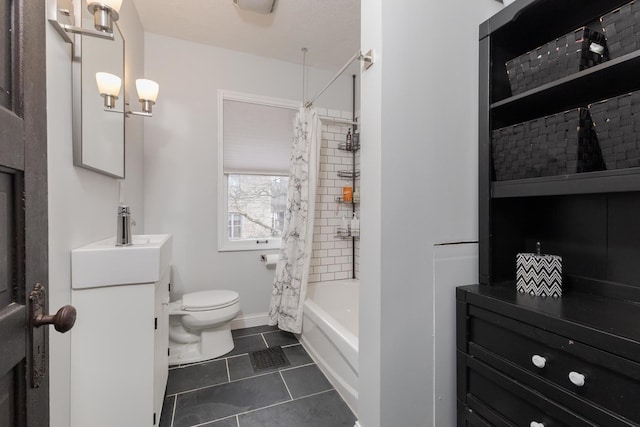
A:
{"x": 108, "y": 84}
{"x": 115, "y": 5}
{"x": 147, "y": 90}
{"x": 105, "y": 13}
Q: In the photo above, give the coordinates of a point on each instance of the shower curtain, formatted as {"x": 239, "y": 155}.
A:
{"x": 292, "y": 271}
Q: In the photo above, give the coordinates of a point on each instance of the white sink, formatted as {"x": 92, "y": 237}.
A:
{"x": 105, "y": 264}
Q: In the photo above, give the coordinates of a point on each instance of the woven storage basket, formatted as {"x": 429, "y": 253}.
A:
{"x": 617, "y": 124}
{"x": 566, "y": 55}
{"x": 559, "y": 144}
{"x": 622, "y": 29}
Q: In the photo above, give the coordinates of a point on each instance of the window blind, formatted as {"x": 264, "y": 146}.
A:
{"x": 257, "y": 138}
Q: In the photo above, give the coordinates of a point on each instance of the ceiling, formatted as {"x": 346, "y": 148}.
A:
{"x": 329, "y": 29}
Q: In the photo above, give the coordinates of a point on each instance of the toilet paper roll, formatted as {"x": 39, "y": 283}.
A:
{"x": 269, "y": 260}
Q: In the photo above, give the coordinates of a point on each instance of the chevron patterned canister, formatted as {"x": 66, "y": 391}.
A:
{"x": 539, "y": 275}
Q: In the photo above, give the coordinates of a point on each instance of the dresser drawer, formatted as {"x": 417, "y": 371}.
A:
{"x": 582, "y": 371}
{"x": 467, "y": 417}
{"x": 493, "y": 394}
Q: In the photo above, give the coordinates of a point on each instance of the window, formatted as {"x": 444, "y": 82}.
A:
{"x": 235, "y": 225}
{"x": 255, "y": 136}
{"x": 258, "y": 203}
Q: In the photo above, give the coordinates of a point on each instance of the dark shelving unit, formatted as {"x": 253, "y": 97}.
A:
{"x": 509, "y": 34}
{"x": 590, "y": 219}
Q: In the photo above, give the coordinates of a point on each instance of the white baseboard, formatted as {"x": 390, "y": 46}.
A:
{"x": 357, "y": 424}
{"x": 250, "y": 320}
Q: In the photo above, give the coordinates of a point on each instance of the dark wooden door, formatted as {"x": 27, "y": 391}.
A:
{"x": 23, "y": 212}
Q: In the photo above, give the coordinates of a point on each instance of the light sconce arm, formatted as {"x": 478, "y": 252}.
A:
{"x": 61, "y": 15}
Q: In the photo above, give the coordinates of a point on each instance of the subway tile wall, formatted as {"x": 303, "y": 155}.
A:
{"x": 332, "y": 257}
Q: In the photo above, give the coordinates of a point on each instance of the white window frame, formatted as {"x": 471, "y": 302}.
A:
{"x": 232, "y": 223}
{"x": 224, "y": 244}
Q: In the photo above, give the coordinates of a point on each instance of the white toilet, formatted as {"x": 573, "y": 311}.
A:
{"x": 200, "y": 326}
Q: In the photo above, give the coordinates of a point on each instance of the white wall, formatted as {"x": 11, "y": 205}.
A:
{"x": 453, "y": 265}
{"x": 419, "y": 171}
{"x": 82, "y": 204}
{"x": 369, "y": 374}
{"x": 181, "y": 152}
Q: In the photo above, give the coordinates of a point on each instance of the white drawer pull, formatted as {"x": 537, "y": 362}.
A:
{"x": 576, "y": 378}
{"x": 536, "y": 424}
{"x": 539, "y": 361}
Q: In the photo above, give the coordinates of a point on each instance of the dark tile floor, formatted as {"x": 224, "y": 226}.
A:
{"x": 227, "y": 392}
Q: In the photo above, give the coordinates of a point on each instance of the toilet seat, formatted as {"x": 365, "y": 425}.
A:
{"x": 208, "y": 300}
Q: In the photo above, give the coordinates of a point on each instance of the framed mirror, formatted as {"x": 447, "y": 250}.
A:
{"x": 98, "y": 135}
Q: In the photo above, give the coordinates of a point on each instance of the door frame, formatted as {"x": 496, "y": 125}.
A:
{"x": 33, "y": 264}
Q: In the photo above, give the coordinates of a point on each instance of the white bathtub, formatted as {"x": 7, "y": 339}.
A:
{"x": 330, "y": 333}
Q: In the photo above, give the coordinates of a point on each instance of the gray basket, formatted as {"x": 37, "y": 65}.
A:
{"x": 559, "y": 144}
{"x": 573, "y": 52}
{"x": 617, "y": 125}
{"x": 622, "y": 29}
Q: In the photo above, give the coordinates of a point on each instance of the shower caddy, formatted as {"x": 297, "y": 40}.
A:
{"x": 353, "y": 174}
{"x": 573, "y": 360}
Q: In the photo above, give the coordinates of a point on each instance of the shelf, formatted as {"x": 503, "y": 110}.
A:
{"x": 603, "y": 81}
{"x": 348, "y": 173}
{"x": 620, "y": 180}
{"x": 352, "y": 147}
{"x": 350, "y": 202}
{"x": 345, "y": 234}
{"x": 513, "y": 25}
{"x": 346, "y": 237}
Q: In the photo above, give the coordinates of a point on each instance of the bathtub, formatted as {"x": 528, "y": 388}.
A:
{"x": 330, "y": 333}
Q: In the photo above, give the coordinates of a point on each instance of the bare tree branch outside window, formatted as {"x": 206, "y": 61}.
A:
{"x": 261, "y": 200}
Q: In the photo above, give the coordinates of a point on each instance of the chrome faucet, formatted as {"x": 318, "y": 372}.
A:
{"x": 123, "y": 234}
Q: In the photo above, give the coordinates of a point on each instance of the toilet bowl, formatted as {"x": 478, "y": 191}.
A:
{"x": 200, "y": 326}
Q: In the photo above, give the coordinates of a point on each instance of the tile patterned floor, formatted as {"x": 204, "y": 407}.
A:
{"x": 227, "y": 392}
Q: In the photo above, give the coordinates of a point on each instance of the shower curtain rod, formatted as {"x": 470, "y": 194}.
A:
{"x": 358, "y": 56}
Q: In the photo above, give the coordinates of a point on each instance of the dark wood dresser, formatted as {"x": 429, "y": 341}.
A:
{"x": 572, "y": 361}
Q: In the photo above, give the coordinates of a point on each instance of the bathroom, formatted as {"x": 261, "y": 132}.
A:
{"x": 418, "y": 112}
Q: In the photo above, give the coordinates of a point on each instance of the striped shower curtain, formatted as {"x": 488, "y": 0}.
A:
{"x": 292, "y": 271}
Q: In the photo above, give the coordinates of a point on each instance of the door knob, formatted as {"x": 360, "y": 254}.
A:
{"x": 539, "y": 361}
{"x": 63, "y": 320}
{"x": 576, "y": 378}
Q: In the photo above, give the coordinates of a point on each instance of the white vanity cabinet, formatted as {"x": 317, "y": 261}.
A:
{"x": 119, "y": 350}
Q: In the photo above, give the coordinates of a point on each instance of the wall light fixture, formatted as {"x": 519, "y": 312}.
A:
{"x": 263, "y": 7}
{"x": 105, "y": 13}
{"x": 109, "y": 88}
{"x": 62, "y": 15}
{"x": 147, "y": 94}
